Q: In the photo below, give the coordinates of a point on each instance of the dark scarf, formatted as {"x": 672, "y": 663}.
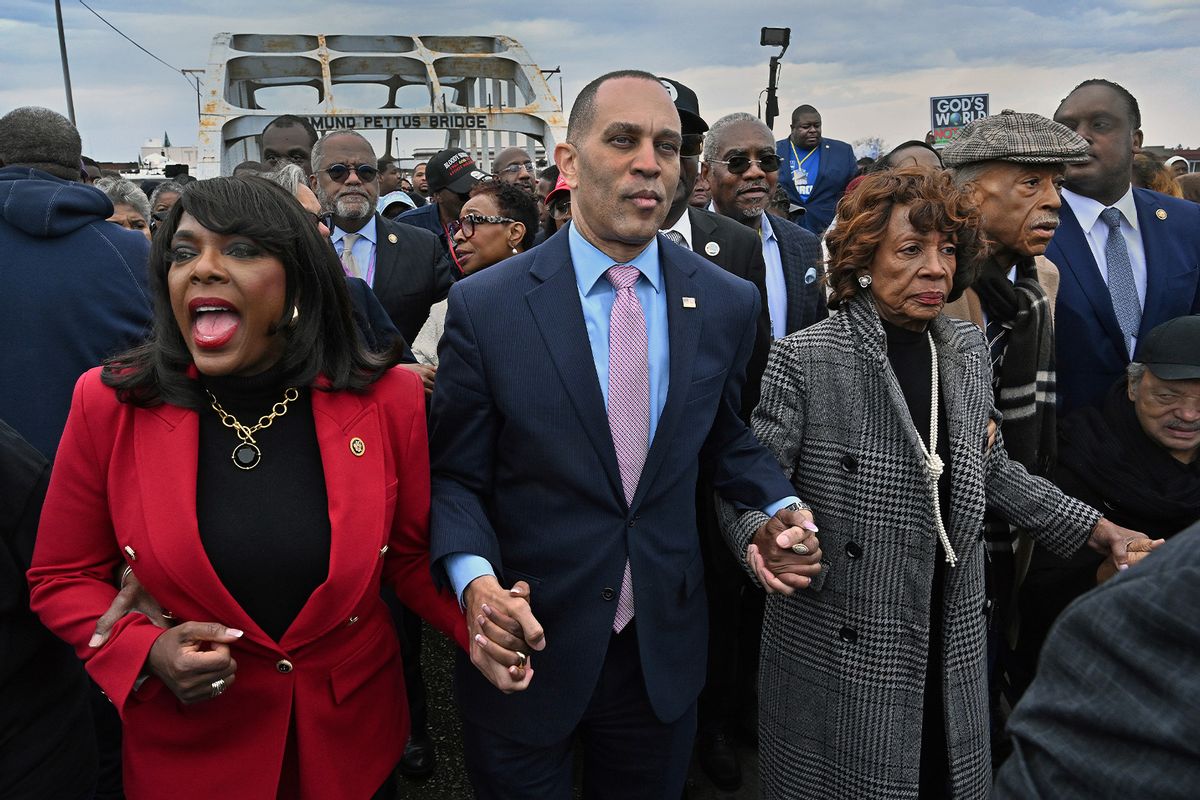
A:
{"x": 1143, "y": 487}
{"x": 1025, "y": 382}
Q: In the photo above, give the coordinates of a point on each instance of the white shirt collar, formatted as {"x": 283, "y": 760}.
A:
{"x": 768, "y": 232}
{"x": 684, "y": 227}
{"x": 1087, "y": 210}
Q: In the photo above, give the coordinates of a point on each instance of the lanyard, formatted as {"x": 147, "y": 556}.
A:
{"x": 796, "y": 155}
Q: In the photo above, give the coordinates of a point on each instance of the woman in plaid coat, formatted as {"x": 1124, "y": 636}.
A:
{"x": 872, "y": 679}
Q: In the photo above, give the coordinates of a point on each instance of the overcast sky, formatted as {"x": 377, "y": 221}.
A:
{"x": 868, "y": 66}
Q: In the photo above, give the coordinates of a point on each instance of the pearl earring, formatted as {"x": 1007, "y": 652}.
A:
{"x": 515, "y": 251}
{"x": 864, "y": 281}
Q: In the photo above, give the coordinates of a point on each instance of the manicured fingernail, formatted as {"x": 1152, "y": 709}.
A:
{"x": 479, "y": 640}
{"x": 234, "y": 632}
{"x": 486, "y": 608}
{"x": 515, "y": 592}
{"x": 1122, "y": 566}
{"x": 96, "y": 640}
{"x": 809, "y": 526}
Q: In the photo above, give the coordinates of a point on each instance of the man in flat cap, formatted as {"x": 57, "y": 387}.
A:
{"x": 1013, "y": 165}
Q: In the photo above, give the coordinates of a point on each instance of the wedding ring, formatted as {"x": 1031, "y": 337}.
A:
{"x": 522, "y": 660}
{"x": 218, "y": 686}
{"x": 166, "y": 614}
{"x": 800, "y": 549}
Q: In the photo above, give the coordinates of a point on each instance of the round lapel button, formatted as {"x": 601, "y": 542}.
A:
{"x": 357, "y": 447}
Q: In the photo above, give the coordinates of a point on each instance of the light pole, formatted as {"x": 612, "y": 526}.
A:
{"x": 62, "y": 47}
{"x": 774, "y": 37}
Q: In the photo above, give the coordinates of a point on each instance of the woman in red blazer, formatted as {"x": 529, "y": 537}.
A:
{"x": 261, "y": 473}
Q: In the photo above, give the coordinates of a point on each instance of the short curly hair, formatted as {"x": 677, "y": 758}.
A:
{"x": 934, "y": 203}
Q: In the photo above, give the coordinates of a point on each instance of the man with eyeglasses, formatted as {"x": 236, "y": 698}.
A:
{"x": 735, "y": 249}
{"x": 742, "y": 168}
{"x": 288, "y": 140}
{"x": 405, "y": 267}
{"x": 815, "y": 170}
{"x": 451, "y": 175}
{"x": 516, "y": 167}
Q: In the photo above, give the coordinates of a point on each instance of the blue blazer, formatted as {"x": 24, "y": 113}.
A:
{"x": 1090, "y": 352}
{"x": 838, "y": 168}
{"x": 525, "y": 475}
{"x": 800, "y": 254}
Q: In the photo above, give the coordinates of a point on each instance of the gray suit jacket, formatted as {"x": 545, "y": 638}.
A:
{"x": 842, "y": 670}
{"x": 1115, "y": 708}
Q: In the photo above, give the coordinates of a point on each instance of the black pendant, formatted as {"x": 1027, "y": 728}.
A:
{"x": 246, "y": 456}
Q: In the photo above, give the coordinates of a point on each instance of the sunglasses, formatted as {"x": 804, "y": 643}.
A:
{"x": 739, "y": 164}
{"x": 339, "y": 172}
{"x": 467, "y": 224}
{"x": 691, "y": 146}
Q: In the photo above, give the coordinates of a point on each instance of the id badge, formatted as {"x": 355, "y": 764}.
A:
{"x": 801, "y": 178}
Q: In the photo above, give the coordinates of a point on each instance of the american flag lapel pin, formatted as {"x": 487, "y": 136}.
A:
{"x": 689, "y": 302}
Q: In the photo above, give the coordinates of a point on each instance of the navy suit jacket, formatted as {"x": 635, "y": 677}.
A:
{"x": 1090, "y": 351}
{"x": 838, "y": 168}
{"x": 800, "y": 254}
{"x": 525, "y": 475}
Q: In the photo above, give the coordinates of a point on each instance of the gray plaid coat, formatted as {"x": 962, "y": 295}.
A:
{"x": 842, "y": 672}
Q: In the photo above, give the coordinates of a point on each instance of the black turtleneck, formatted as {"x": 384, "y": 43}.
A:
{"x": 265, "y": 530}
{"x": 908, "y": 353}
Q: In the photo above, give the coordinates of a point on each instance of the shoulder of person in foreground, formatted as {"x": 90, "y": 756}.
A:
{"x": 1114, "y": 710}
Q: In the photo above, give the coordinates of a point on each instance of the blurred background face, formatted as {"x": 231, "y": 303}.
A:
{"x": 1169, "y": 413}
{"x": 700, "y": 193}
{"x": 128, "y": 217}
{"x": 516, "y": 167}
{"x": 164, "y": 202}
{"x": 287, "y": 146}
{"x": 489, "y": 242}
{"x": 227, "y": 296}
{"x": 389, "y": 179}
{"x": 911, "y": 273}
{"x": 419, "y": 182}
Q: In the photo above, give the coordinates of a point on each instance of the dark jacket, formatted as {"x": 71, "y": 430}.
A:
{"x": 47, "y": 747}
{"x": 838, "y": 168}
{"x": 411, "y": 274}
{"x": 427, "y": 218}
{"x": 75, "y": 292}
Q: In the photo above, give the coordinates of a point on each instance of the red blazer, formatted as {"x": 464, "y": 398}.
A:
{"x": 124, "y": 489}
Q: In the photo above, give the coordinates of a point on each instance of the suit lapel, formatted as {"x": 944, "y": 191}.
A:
{"x": 1158, "y": 277}
{"x": 1082, "y": 268}
{"x": 356, "y": 491}
{"x": 387, "y": 260}
{"x": 683, "y": 330}
{"x": 558, "y": 313}
{"x": 702, "y": 232}
{"x": 166, "y": 442}
{"x": 793, "y": 277}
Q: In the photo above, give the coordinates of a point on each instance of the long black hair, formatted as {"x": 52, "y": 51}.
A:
{"x": 320, "y": 337}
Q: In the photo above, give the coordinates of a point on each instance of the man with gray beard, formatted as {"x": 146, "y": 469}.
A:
{"x": 405, "y": 266}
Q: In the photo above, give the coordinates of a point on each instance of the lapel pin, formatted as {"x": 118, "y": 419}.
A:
{"x": 689, "y": 302}
{"x": 357, "y": 447}
{"x": 392, "y": 238}
{"x": 1161, "y": 214}
{"x": 712, "y": 248}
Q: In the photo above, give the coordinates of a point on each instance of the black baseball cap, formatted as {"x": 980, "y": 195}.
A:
{"x": 453, "y": 169}
{"x": 686, "y": 104}
{"x": 1172, "y": 350}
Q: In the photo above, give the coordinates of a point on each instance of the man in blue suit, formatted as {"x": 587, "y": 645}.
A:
{"x": 581, "y": 384}
{"x": 815, "y": 170}
{"x": 1129, "y": 259}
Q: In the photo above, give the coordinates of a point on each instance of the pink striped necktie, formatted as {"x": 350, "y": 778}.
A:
{"x": 628, "y": 401}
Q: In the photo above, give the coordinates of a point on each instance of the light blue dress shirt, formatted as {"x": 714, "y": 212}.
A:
{"x": 364, "y": 247}
{"x": 596, "y": 295}
{"x": 776, "y": 285}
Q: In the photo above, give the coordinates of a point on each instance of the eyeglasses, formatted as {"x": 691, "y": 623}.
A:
{"x": 467, "y": 224}
{"x": 518, "y": 168}
{"x": 739, "y": 164}
{"x": 560, "y": 206}
{"x": 691, "y": 146}
{"x": 339, "y": 172}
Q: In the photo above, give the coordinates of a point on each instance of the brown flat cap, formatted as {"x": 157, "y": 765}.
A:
{"x": 1021, "y": 138}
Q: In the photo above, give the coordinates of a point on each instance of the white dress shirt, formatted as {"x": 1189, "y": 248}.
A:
{"x": 684, "y": 227}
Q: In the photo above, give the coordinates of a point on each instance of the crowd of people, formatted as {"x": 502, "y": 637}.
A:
{"x": 689, "y": 427}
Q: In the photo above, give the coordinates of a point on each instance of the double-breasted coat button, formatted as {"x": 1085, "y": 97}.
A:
{"x": 283, "y": 665}
{"x": 853, "y": 550}
{"x": 848, "y": 634}
{"x": 607, "y": 594}
{"x": 849, "y": 463}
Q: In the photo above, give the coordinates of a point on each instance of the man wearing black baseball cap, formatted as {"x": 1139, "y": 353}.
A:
{"x": 451, "y": 174}
{"x": 1136, "y": 455}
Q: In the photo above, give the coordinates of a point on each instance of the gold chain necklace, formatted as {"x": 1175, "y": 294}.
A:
{"x": 247, "y": 455}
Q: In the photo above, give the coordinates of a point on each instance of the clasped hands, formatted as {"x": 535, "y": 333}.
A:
{"x": 503, "y": 632}
{"x": 1123, "y": 547}
{"x": 785, "y": 553}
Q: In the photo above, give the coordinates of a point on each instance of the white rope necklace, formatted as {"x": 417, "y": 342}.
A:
{"x": 933, "y": 462}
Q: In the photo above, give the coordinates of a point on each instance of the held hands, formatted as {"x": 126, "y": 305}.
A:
{"x": 194, "y": 660}
{"x": 503, "y": 631}
{"x": 1136, "y": 549}
{"x": 780, "y": 568}
{"x": 132, "y": 598}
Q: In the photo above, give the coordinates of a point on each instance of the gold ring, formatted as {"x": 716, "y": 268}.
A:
{"x": 218, "y": 686}
{"x": 522, "y": 659}
{"x": 166, "y": 614}
{"x": 800, "y": 549}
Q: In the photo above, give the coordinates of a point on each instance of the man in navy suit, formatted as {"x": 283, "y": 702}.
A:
{"x": 815, "y": 169}
{"x": 1129, "y": 259}
{"x": 551, "y": 364}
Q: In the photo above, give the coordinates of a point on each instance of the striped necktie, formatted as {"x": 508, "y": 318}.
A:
{"x": 628, "y": 401}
